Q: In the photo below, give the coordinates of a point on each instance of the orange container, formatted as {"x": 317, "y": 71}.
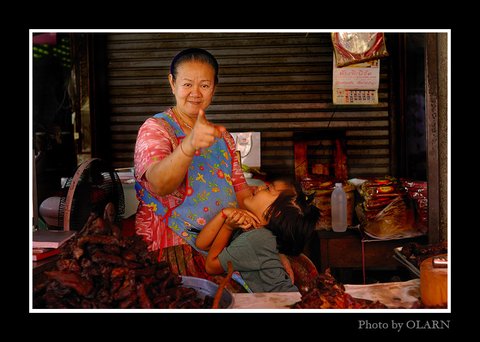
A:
{"x": 433, "y": 284}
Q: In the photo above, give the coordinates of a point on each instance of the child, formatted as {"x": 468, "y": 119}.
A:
{"x": 285, "y": 219}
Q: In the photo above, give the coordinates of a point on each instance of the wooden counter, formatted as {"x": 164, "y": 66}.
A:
{"x": 350, "y": 249}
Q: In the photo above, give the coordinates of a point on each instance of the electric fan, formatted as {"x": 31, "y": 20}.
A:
{"x": 88, "y": 191}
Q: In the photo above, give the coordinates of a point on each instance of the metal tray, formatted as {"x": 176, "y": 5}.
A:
{"x": 404, "y": 261}
{"x": 206, "y": 287}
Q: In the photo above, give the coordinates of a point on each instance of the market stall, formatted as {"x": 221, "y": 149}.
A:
{"x": 101, "y": 268}
{"x": 349, "y": 127}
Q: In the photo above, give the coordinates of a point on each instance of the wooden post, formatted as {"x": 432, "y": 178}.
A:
{"x": 301, "y": 159}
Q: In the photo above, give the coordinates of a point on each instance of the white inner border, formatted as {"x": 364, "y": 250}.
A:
{"x": 30, "y": 153}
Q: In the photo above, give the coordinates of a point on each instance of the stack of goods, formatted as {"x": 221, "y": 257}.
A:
{"x": 386, "y": 211}
{"x": 101, "y": 269}
{"x": 418, "y": 192}
{"x": 326, "y": 293}
{"x": 322, "y": 188}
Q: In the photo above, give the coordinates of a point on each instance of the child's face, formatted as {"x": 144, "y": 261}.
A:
{"x": 263, "y": 197}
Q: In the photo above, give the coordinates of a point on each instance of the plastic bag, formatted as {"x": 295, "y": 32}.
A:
{"x": 396, "y": 220}
{"x": 357, "y": 47}
{"x": 418, "y": 192}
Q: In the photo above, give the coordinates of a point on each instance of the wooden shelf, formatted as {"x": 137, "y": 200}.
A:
{"x": 329, "y": 249}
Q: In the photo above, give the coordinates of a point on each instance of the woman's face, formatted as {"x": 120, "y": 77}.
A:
{"x": 193, "y": 87}
{"x": 263, "y": 197}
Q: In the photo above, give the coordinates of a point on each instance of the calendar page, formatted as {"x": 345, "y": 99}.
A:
{"x": 357, "y": 83}
{"x": 353, "y": 96}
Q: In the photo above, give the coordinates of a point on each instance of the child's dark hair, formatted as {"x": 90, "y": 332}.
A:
{"x": 193, "y": 54}
{"x": 292, "y": 219}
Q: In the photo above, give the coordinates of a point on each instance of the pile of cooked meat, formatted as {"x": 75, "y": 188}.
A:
{"x": 99, "y": 268}
{"x": 325, "y": 292}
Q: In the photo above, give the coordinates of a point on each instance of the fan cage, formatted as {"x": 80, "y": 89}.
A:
{"x": 88, "y": 191}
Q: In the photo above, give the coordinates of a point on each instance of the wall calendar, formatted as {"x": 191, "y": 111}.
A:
{"x": 356, "y": 84}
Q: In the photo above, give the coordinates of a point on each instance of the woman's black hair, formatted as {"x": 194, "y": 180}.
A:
{"x": 194, "y": 54}
{"x": 292, "y": 219}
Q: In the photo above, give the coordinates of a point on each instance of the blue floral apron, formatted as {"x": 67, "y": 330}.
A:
{"x": 209, "y": 188}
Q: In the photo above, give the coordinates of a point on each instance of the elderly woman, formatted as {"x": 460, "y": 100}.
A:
{"x": 186, "y": 167}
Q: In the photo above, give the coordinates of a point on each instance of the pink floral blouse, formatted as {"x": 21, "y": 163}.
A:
{"x": 156, "y": 140}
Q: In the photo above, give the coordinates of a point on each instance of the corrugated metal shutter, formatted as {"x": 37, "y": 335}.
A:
{"x": 277, "y": 83}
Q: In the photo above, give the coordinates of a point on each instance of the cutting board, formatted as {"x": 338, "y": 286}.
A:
{"x": 399, "y": 295}
{"x": 265, "y": 300}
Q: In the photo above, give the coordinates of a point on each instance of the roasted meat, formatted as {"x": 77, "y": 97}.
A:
{"x": 327, "y": 293}
{"x": 101, "y": 269}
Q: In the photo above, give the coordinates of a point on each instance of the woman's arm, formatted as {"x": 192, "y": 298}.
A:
{"x": 241, "y": 195}
{"x": 242, "y": 189}
{"x": 165, "y": 176}
{"x": 159, "y": 174}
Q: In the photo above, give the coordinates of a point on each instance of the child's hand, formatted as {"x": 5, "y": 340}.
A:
{"x": 240, "y": 218}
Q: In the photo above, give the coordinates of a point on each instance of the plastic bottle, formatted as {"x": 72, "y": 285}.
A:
{"x": 339, "y": 209}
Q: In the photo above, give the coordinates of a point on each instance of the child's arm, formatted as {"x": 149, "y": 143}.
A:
{"x": 287, "y": 265}
{"x": 216, "y": 234}
{"x": 210, "y": 230}
{"x": 234, "y": 217}
{"x": 212, "y": 264}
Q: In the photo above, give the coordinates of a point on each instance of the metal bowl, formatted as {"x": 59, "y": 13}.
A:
{"x": 206, "y": 287}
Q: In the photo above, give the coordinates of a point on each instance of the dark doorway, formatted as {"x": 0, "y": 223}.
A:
{"x": 53, "y": 134}
{"x": 415, "y": 129}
